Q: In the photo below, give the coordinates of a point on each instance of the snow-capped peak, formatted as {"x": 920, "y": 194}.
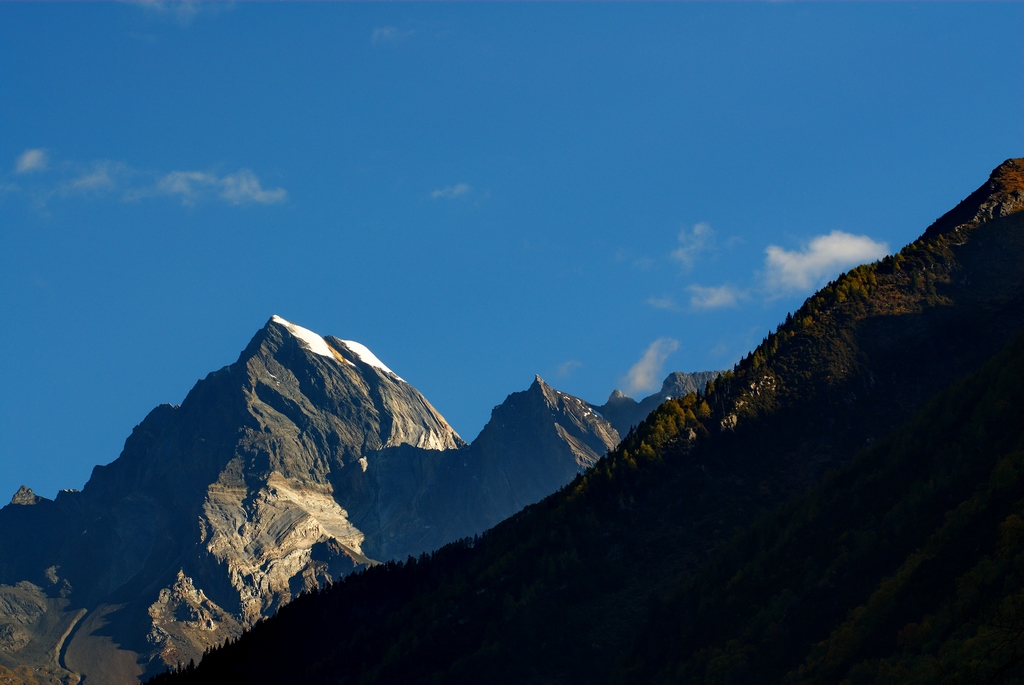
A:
{"x": 314, "y": 342}
{"x": 318, "y": 345}
{"x": 367, "y": 357}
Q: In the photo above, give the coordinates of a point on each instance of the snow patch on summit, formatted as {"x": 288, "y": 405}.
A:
{"x": 367, "y": 357}
{"x": 314, "y": 342}
{"x": 318, "y": 345}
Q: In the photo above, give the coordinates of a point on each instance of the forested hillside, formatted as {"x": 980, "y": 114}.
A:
{"x": 903, "y": 567}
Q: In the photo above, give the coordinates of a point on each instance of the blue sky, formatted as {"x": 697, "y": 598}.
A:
{"x": 598, "y": 193}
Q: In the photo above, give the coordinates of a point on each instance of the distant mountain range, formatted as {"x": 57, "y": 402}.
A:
{"x": 845, "y": 506}
{"x": 623, "y": 412}
{"x": 306, "y": 459}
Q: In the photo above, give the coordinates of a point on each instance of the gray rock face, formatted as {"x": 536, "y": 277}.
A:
{"x": 183, "y": 616}
{"x": 534, "y": 439}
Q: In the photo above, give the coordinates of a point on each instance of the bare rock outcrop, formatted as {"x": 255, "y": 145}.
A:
{"x": 183, "y": 617}
{"x": 25, "y": 497}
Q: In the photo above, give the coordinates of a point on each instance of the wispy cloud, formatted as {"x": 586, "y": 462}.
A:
{"x": 238, "y": 188}
{"x": 389, "y": 35}
{"x": 452, "y": 192}
{"x": 645, "y": 375}
{"x": 102, "y": 176}
{"x": 189, "y": 186}
{"x": 31, "y": 161}
{"x": 702, "y": 297}
{"x": 565, "y": 369}
{"x": 692, "y": 242}
{"x": 626, "y": 256}
{"x": 784, "y": 271}
{"x": 715, "y": 296}
{"x": 117, "y": 179}
{"x": 243, "y": 187}
{"x": 823, "y": 257}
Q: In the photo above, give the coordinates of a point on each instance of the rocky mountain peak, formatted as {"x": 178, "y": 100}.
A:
{"x": 677, "y": 383}
{"x": 540, "y": 384}
{"x": 25, "y": 496}
{"x": 289, "y": 360}
{"x": 303, "y": 460}
{"x": 673, "y": 380}
{"x": 310, "y": 340}
{"x": 1001, "y": 195}
{"x": 536, "y": 437}
{"x": 540, "y": 410}
{"x": 548, "y": 395}
{"x": 617, "y": 396}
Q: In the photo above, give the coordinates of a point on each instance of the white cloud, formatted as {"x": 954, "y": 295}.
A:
{"x": 238, "y": 188}
{"x": 565, "y": 369}
{"x": 452, "y": 192}
{"x": 824, "y": 257}
{"x": 692, "y": 242}
{"x": 645, "y": 375}
{"x": 103, "y": 176}
{"x": 109, "y": 177}
{"x": 186, "y": 184}
{"x": 384, "y": 35}
{"x": 243, "y": 187}
{"x": 97, "y": 179}
{"x": 32, "y": 160}
{"x": 714, "y": 297}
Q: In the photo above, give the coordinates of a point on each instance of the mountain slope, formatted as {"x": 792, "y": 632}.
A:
{"x": 304, "y": 460}
{"x": 558, "y": 592}
{"x": 902, "y": 567}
